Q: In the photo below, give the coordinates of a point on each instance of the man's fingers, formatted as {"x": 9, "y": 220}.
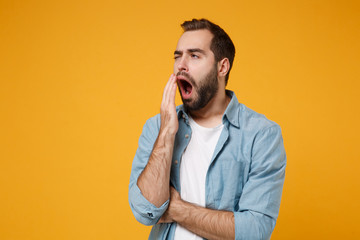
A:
{"x": 166, "y": 89}
{"x": 174, "y": 193}
{"x": 173, "y": 90}
{"x": 168, "y": 109}
{"x": 172, "y": 85}
{"x": 169, "y": 91}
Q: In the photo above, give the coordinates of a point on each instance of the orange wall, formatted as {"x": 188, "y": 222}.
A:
{"x": 78, "y": 79}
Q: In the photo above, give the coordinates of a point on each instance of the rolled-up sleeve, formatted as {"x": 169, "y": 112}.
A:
{"x": 260, "y": 200}
{"x": 144, "y": 211}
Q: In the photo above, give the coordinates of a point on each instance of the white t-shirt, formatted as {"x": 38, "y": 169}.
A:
{"x": 194, "y": 164}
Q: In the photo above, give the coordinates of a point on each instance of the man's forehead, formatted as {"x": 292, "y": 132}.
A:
{"x": 200, "y": 39}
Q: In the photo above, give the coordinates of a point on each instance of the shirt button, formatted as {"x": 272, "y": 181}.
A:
{"x": 186, "y": 135}
{"x": 176, "y": 161}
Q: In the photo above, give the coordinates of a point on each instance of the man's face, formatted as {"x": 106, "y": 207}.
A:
{"x": 196, "y": 69}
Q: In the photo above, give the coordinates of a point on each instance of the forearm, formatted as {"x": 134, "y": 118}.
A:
{"x": 207, "y": 223}
{"x": 154, "y": 180}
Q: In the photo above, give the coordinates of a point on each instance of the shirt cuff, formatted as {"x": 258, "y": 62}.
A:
{"x": 144, "y": 211}
{"x": 253, "y": 225}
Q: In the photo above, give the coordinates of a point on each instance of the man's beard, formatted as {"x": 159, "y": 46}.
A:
{"x": 206, "y": 89}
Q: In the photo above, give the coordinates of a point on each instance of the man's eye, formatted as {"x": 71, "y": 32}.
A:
{"x": 176, "y": 57}
{"x": 194, "y": 56}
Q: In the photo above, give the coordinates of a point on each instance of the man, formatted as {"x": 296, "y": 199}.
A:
{"x": 210, "y": 168}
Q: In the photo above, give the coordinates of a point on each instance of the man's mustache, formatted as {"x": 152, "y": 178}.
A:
{"x": 187, "y": 76}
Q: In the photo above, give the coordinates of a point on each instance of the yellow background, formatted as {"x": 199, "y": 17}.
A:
{"x": 78, "y": 79}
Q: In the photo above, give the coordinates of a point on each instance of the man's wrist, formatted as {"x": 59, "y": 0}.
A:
{"x": 182, "y": 210}
{"x": 167, "y": 133}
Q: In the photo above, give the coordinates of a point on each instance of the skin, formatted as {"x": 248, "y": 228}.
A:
{"x": 198, "y": 64}
{"x": 154, "y": 180}
{"x": 205, "y": 91}
{"x": 207, "y": 223}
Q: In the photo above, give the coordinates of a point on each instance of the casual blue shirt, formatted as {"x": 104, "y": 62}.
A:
{"x": 245, "y": 176}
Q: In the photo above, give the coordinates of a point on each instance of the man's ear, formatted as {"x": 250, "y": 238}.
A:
{"x": 223, "y": 67}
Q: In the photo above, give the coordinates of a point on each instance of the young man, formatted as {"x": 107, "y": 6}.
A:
{"x": 210, "y": 168}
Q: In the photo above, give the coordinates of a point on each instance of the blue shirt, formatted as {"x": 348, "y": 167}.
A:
{"x": 245, "y": 176}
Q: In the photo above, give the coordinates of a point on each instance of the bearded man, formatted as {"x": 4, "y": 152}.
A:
{"x": 210, "y": 168}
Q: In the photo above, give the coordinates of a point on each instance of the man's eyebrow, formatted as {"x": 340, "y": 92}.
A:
{"x": 191, "y": 50}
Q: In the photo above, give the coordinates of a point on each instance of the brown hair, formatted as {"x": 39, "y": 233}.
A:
{"x": 221, "y": 44}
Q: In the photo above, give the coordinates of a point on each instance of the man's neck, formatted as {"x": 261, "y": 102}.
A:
{"x": 211, "y": 115}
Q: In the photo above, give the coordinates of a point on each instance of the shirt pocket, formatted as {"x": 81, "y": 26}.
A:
{"x": 228, "y": 176}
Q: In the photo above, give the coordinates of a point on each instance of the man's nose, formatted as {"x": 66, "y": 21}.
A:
{"x": 182, "y": 65}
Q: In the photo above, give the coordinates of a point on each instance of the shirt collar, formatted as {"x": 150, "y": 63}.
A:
{"x": 232, "y": 110}
{"x": 182, "y": 113}
{"x": 231, "y": 113}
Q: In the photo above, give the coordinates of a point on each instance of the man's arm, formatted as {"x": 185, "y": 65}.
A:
{"x": 153, "y": 182}
{"x": 258, "y": 205}
{"x": 207, "y": 223}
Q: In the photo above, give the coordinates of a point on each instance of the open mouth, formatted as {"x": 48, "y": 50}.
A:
{"x": 185, "y": 87}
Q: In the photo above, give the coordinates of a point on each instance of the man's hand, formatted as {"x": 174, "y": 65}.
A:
{"x": 204, "y": 222}
{"x": 169, "y": 120}
{"x": 174, "y": 206}
{"x": 153, "y": 182}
